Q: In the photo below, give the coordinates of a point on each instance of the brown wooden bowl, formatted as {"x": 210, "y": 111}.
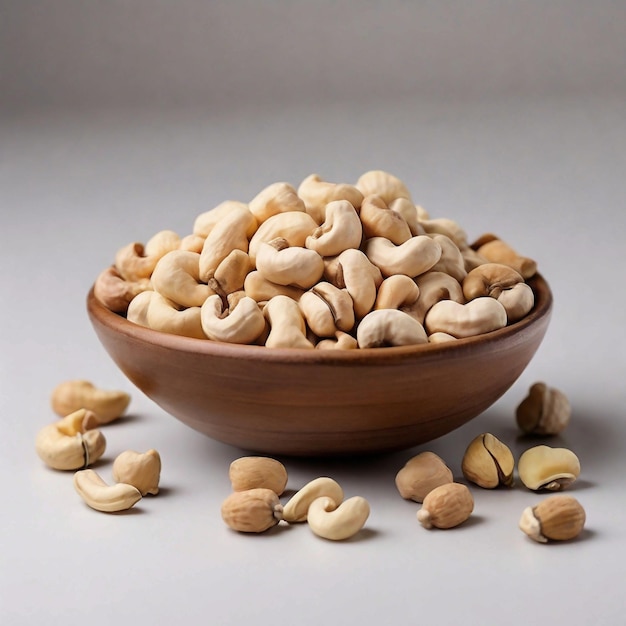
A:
{"x": 316, "y": 403}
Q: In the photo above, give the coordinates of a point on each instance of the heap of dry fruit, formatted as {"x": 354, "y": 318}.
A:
{"x": 330, "y": 265}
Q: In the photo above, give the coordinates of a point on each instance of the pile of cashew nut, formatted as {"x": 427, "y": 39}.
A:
{"x": 326, "y": 266}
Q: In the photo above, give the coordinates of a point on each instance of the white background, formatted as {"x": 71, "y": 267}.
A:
{"x": 120, "y": 119}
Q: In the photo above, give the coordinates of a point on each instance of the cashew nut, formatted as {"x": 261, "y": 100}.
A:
{"x": 177, "y": 277}
{"x": 275, "y": 198}
{"x": 231, "y": 273}
{"x": 294, "y": 226}
{"x": 283, "y": 264}
{"x": 287, "y": 327}
{"x": 337, "y": 522}
{"x": 193, "y": 243}
{"x": 451, "y": 261}
{"x": 410, "y": 213}
{"x": 341, "y": 230}
{"x": 414, "y": 257}
{"x": 355, "y": 273}
{"x": 114, "y": 292}
{"x": 447, "y": 227}
{"x": 490, "y": 279}
{"x": 317, "y": 193}
{"x": 152, "y": 310}
{"x": 72, "y": 395}
{"x": 435, "y": 286}
{"x": 383, "y": 184}
{"x": 397, "y": 292}
{"x": 297, "y": 508}
{"x": 497, "y": 251}
{"x": 231, "y": 232}
{"x": 141, "y": 470}
{"x": 479, "y": 316}
{"x": 70, "y": 443}
{"x": 327, "y": 309}
{"x": 102, "y": 497}
{"x": 389, "y": 327}
{"x": 132, "y": 263}
{"x": 261, "y": 289}
{"x": 380, "y": 221}
{"x": 205, "y": 222}
{"x": 342, "y": 341}
{"x": 243, "y": 323}
{"x": 160, "y": 244}
{"x": 503, "y": 283}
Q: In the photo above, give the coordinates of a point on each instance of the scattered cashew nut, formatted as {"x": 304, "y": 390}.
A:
{"x": 337, "y": 522}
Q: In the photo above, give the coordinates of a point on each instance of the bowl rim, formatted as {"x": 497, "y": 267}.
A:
{"x": 363, "y": 356}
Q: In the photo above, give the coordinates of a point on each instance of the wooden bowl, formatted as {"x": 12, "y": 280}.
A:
{"x": 315, "y": 403}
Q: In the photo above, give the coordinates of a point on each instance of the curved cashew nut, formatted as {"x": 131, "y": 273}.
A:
{"x": 451, "y": 261}
{"x": 275, "y": 198}
{"x": 70, "y": 443}
{"x": 114, "y": 292}
{"x": 327, "y": 309}
{"x": 397, "y": 292}
{"x": 151, "y": 309}
{"x": 353, "y": 271}
{"x": 193, "y": 243}
{"x": 72, "y": 395}
{"x": 283, "y": 264}
{"x": 317, "y": 193}
{"x": 389, "y": 327}
{"x": 261, "y": 289}
{"x": 435, "y": 286}
{"x": 341, "y": 230}
{"x": 380, "y": 221}
{"x": 141, "y": 470}
{"x": 294, "y": 226}
{"x": 136, "y": 261}
{"x": 338, "y": 522}
{"x": 518, "y": 301}
{"x": 497, "y": 251}
{"x": 177, "y": 278}
{"x": 231, "y": 273}
{"x": 440, "y": 337}
{"x": 230, "y": 233}
{"x": 342, "y": 341}
{"x": 410, "y": 213}
{"x": 297, "y": 507}
{"x": 383, "y": 184}
{"x": 287, "y": 327}
{"x": 160, "y": 244}
{"x": 479, "y": 316}
{"x": 414, "y": 257}
{"x": 447, "y": 227}
{"x": 490, "y": 279}
{"x": 102, "y": 497}
{"x": 205, "y": 222}
{"x": 132, "y": 263}
{"x": 242, "y": 324}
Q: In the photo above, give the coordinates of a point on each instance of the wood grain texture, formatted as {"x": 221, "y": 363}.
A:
{"x": 320, "y": 403}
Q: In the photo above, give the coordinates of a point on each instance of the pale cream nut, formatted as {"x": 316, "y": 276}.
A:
{"x": 389, "y": 327}
{"x": 141, "y": 470}
{"x": 546, "y": 468}
{"x": 297, "y": 508}
{"x": 337, "y": 522}
{"x": 71, "y": 395}
{"x": 71, "y": 443}
{"x": 102, "y": 497}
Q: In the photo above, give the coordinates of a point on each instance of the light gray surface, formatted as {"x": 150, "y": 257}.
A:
{"x": 542, "y": 166}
